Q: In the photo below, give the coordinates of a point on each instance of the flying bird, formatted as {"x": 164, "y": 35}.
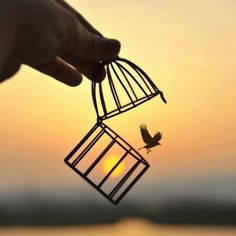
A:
{"x": 148, "y": 139}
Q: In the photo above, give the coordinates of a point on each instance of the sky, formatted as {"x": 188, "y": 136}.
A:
{"x": 186, "y": 47}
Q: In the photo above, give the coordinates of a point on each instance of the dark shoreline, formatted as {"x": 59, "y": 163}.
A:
{"x": 64, "y": 213}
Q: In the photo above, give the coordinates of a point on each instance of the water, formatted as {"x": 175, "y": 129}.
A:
{"x": 129, "y": 227}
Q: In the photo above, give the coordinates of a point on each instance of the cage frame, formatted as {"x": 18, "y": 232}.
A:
{"x": 97, "y": 84}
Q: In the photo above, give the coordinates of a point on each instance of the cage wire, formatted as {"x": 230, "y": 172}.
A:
{"x": 126, "y": 86}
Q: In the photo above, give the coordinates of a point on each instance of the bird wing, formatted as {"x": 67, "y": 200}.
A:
{"x": 147, "y": 138}
{"x": 157, "y": 137}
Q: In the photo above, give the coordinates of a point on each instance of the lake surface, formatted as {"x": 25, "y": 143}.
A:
{"x": 129, "y": 227}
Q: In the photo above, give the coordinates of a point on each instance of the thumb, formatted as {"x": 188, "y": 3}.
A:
{"x": 92, "y": 47}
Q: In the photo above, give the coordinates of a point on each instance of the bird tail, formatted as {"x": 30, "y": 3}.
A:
{"x": 141, "y": 148}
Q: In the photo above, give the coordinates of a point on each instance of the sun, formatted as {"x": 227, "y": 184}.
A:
{"x": 110, "y": 162}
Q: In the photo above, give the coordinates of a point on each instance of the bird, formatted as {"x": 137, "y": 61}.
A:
{"x": 148, "y": 139}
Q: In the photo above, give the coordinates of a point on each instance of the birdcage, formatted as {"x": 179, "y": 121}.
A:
{"x": 126, "y": 87}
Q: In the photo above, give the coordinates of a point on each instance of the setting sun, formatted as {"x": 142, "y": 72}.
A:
{"x": 110, "y": 162}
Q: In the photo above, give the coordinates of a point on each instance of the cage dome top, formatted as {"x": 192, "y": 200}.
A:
{"x": 125, "y": 87}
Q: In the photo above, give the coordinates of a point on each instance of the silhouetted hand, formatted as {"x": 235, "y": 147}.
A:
{"x": 50, "y": 36}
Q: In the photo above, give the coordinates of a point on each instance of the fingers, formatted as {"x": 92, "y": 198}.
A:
{"x": 87, "y": 68}
{"x": 92, "y": 47}
{"x": 86, "y": 47}
{"x": 87, "y": 43}
{"x": 61, "y": 71}
{"x": 83, "y": 21}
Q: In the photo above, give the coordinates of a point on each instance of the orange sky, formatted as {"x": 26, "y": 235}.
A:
{"x": 188, "y": 49}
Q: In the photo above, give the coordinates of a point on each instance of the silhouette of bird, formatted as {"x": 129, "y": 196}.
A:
{"x": 148, "y": 139}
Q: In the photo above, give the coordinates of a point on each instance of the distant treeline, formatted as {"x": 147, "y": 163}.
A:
{"x": 66, "y": 213}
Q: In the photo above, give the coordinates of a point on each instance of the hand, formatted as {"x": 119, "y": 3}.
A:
{"x": 50, "y": 36}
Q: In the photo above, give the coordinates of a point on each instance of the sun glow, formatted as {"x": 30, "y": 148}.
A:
{"x": 110, "y": 162}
